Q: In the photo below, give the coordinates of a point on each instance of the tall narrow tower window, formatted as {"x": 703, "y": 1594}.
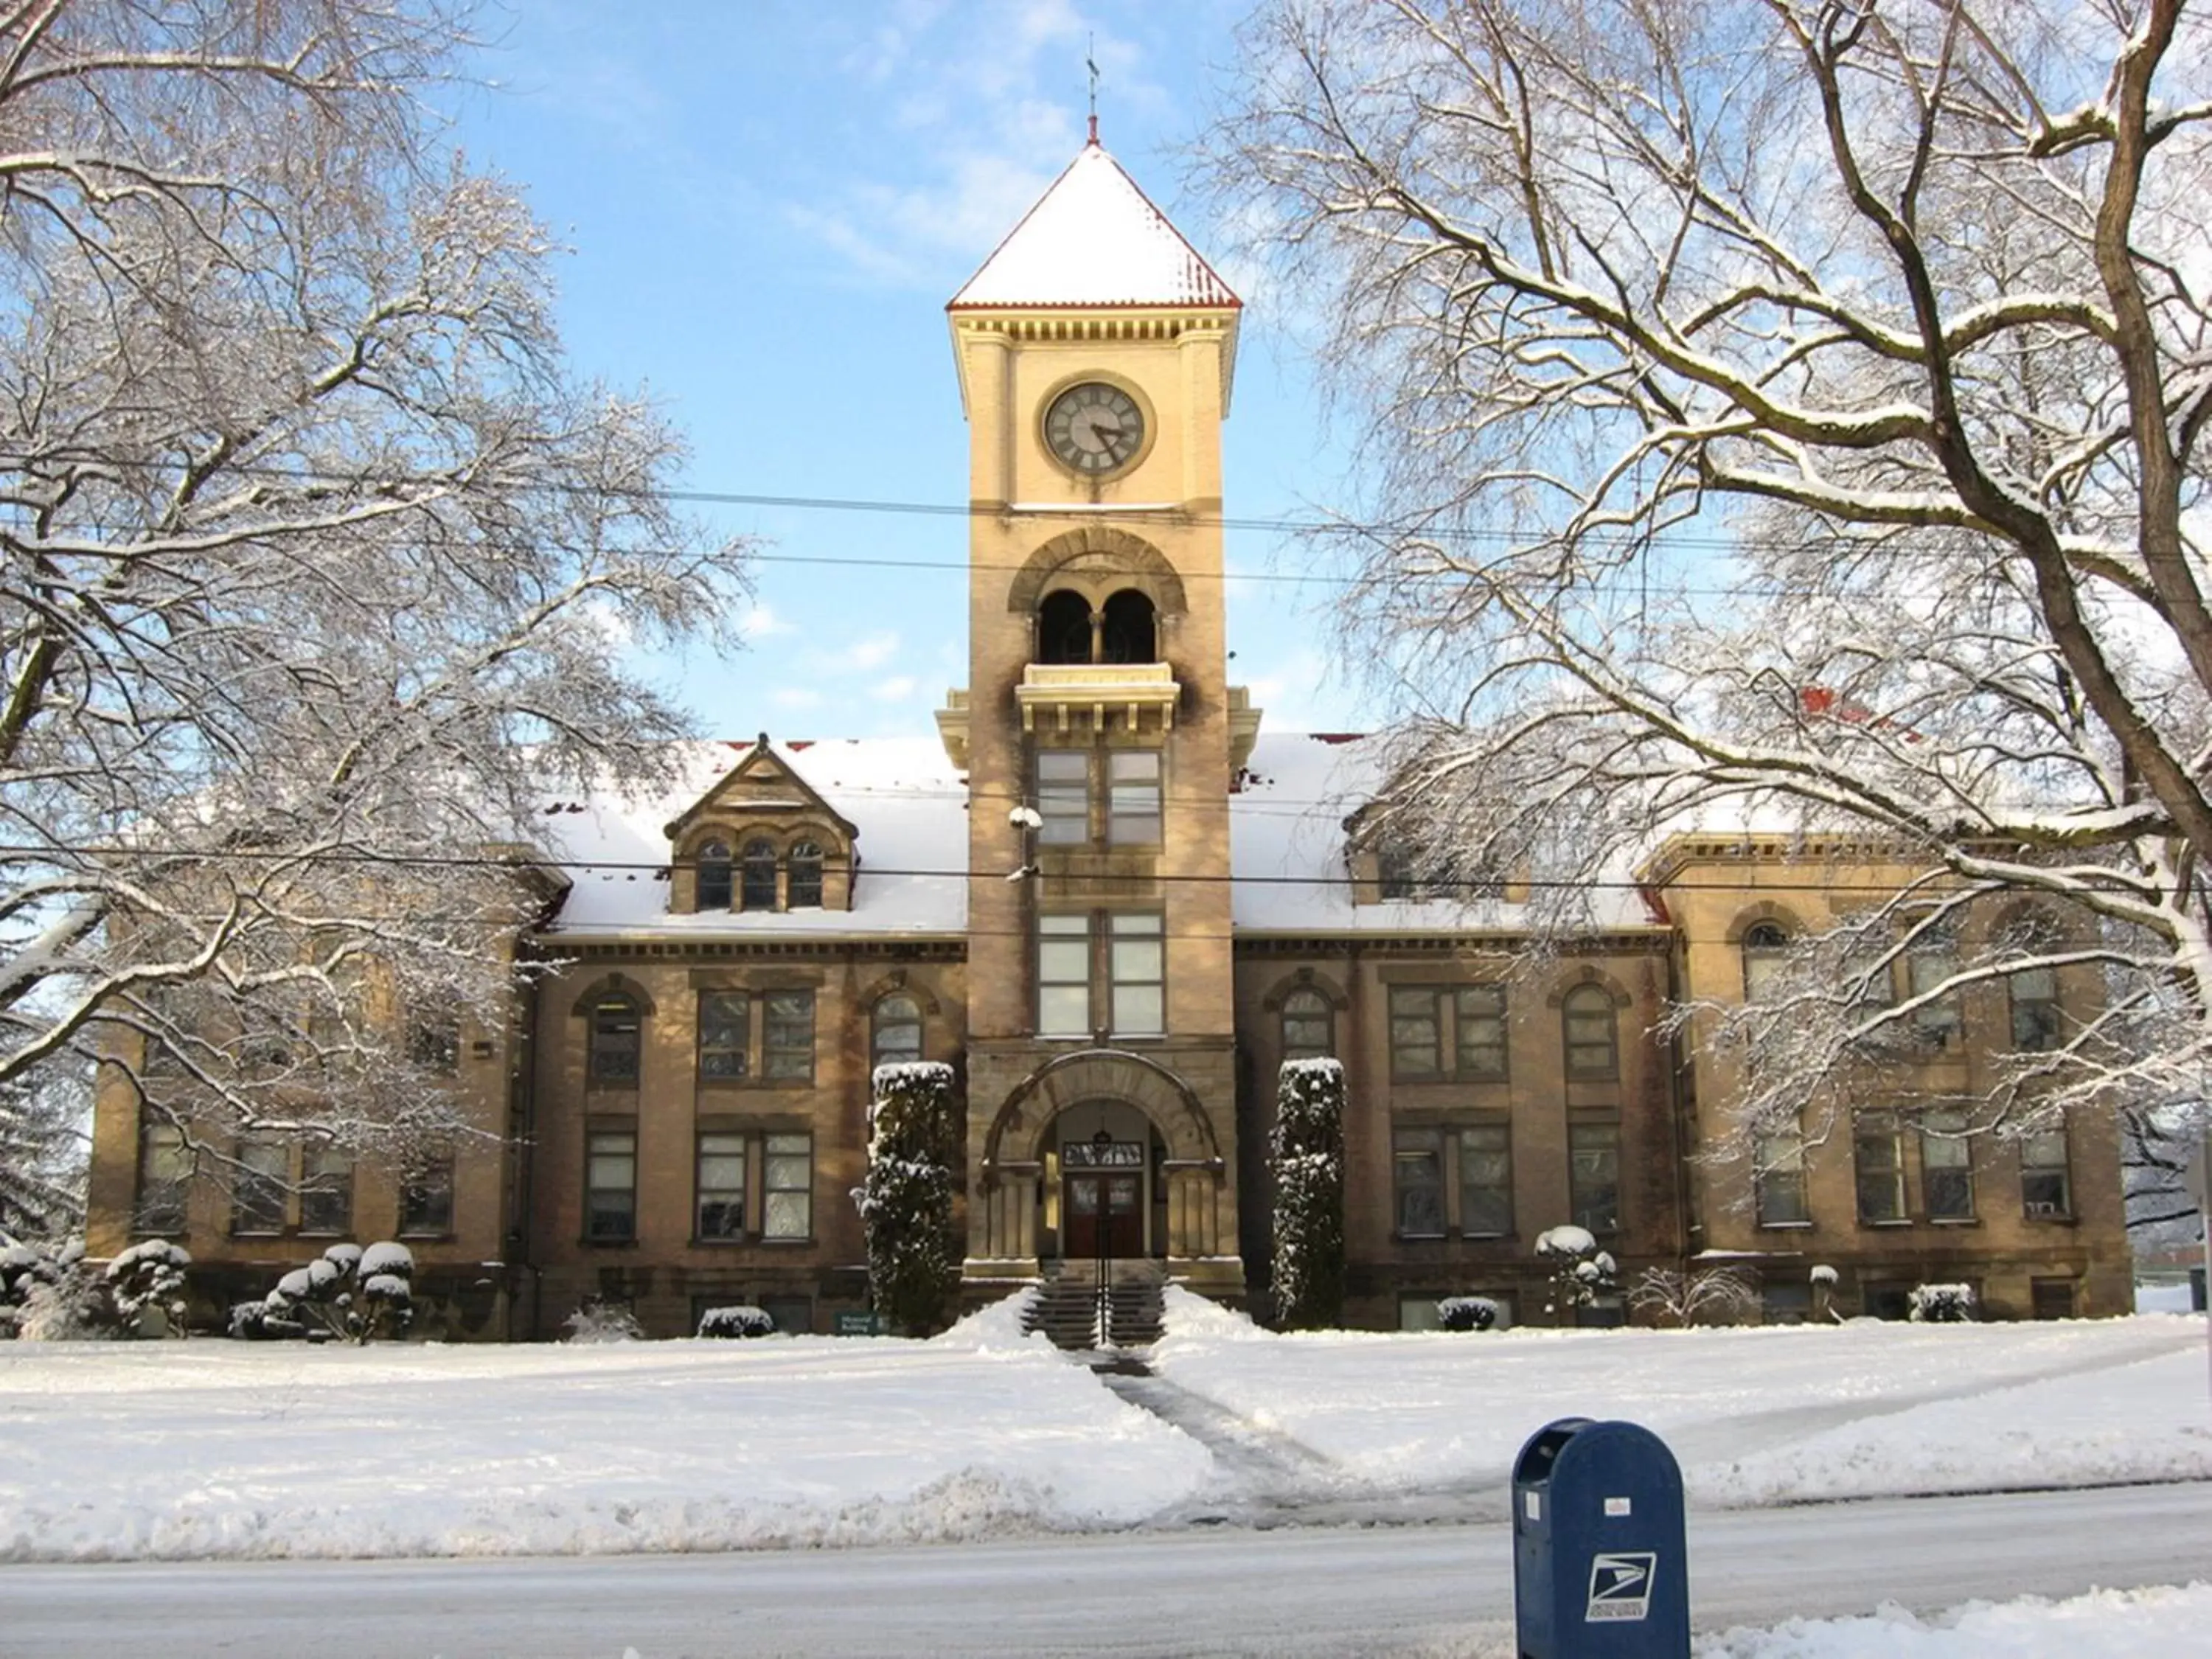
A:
{"x": 1130, "y": 634}
{"x": 1064, "y": 627}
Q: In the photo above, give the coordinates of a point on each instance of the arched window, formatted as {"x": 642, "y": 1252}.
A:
{"x": 758, "y": 891}
{"x": 615, "y": 1022}
{"x": 896, "y": 1038}
{"x": 1592, "y": 1034}
{"x": 1064, "y": 627}
{"x": 1309, "y": 1026}
{"x": 1765, "y": 946}
{"x": 803, "y": 881}
{"x": 714, "y": 875}
{"x": 1130, "y": 634}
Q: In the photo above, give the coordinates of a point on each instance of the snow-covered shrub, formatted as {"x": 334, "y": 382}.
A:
{"x": 906, "y": 1199}
{"x": 597, "y": 1321}
{"x": 1580, "y": 1271}
{"x": 1466, "y": 1313}
{"x": 1825, "y": 1279}
{"x": 1942, "y": 1305}
{"x": 740, "y": 1321}
{"x": 52, "y": 1294}
{"x": 1305, "y": 1161}
{"x": 1709, "y": 1295}
{"x": 345, "y": 1293}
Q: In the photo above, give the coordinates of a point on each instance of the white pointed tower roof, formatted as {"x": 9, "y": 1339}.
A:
{"x": 1094, "y": 238}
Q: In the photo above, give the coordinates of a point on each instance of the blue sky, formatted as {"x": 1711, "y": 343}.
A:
{"x": 769, "y": 202}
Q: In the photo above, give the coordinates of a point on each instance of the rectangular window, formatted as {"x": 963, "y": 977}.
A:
{"x": 721, "y": 1186}
{"x": 2035, "y": 1023}
{"x": 725, "y": 1034}
{"x": 2051, "y": 1298}
{"x": 433, "y": 1041}
{"x": 1929, "y": 965}
{"x": 611, "y": 1185}
{"x": 1416, "y": 1043}
{"x": 426, "y": 1199}
{"x": 1778, "y": 1177}
{"x": 258, "y": 1187}
{"x": 1063, "y": 976}
{"x": 1486, "y": 1181}
{"x": 325, "y": 1190}
{"x": 1481, "y": 1031}
{"x": 2046, "y": 1192}
{"x": 788, "y": 1198}
{"x": 1878, "y": 1150}
{"x": 1138, "y": 973}
{"x": 164, "y": 1167}
{"x": 1947, "y": 1167}
{"x": 1785, "y": 1305}
{"x": 1594, "y": 1175}
{"x": 1416, "y": 1157}
{"x": 787, "y": 1036}
{"x": 1132, "y": 797}
{"x": 1063, "y": 797}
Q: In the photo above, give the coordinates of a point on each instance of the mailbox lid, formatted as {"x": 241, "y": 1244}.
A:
{"x": 1539, "y": 1455}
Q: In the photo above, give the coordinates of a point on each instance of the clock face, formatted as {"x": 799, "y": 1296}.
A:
{"x": 1094, "y": 427}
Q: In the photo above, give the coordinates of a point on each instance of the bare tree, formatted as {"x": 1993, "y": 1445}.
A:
{"x": 1692, "y": 1296}
{"x": 320, "y": 573}
{"x": 1788, "y": 413}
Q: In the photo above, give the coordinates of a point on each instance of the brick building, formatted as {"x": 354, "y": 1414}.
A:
{"x": 1115, "y": 905}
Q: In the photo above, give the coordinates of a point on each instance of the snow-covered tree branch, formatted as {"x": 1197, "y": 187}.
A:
{"x": 320, "y": 573}
{"x": 1788, "y": 414}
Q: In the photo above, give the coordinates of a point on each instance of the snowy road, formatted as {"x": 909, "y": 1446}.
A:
{"x": 1432, "y": 1591}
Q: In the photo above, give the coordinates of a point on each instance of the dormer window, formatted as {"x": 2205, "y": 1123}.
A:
{"x": 758, "y": 891}
{"x": 717, "y": 876}
{"x": 803, "y": 877}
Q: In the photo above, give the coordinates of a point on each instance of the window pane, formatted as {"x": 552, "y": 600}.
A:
{"x": 1133, "y": 798}
{"x": 1417, "y": 1157}
{"x": 722, "y": 1183}
{"x": 1878, "y": 1149}
{"x": 757, "y": 890}
{"x": 611, "y": 1185}
{"x": 614, "y": 1040}
{"x": 433, "y": 1041}
{"x": 802, "y": 878}
{"x": 724, "y": 1033}
{"x": 1481, "y": 1031}
{"x": 325, "y": 1190}
{"x": 1064, "y": 975}
{"x": 790, "y": 1182}
{"x": 1309, "y": 1026}
{"x": 787, "y": 1044}
{"x": 1594, "y": 1175}
{"x": 716, "y": 876}
{"x": 1587, "y": 1016}
{"x": 1929, "y": 965}
{"x": 1139, "y": 965}
{"x": 164, "y": 1167}
{"x": 2045, "y": 1188}
{"x": 1485, "y": 1182}
{"x": 1414, "y": 1041}
{"x": 1779, "y": 1173}
{"x": 1947, "y": 1167}
{"x": 426, "y": 1199}
{"x": 1064, "y": 797}
{"x": 897, "y": 1031}
{"x": 257, "y": 1192}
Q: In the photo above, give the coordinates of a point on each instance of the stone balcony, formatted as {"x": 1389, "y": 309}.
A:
{"x": 1069, "y": 697}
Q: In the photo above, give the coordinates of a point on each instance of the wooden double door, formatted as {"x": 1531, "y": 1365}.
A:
{"x": 1102, "y": 1213}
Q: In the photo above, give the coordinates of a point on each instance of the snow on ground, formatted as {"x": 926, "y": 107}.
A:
{"x": 218, "y": 1448}
{"x": 214, "y": 1448}
{"x": 2103, "y": 1625}
{"x": 1759, "y": 1415}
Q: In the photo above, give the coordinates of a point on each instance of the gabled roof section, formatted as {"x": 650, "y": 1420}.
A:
{"x": 1094, "y": 238}
{"x": 740, "y": 788}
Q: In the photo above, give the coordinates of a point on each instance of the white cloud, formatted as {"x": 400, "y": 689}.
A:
{"x": 897, "y": 689}
{"x": 873, "y": 652}
{"x": 760, "y": 623}
{"x": 795, "y": 696}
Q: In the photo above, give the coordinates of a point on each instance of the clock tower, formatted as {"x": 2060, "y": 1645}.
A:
{"x": 1096, "y": 350}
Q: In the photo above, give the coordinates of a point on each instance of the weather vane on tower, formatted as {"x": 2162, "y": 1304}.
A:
{"x": 1090, "y": 62}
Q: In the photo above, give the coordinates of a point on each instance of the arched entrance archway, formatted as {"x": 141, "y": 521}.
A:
{"x": 1103, "y": 1187}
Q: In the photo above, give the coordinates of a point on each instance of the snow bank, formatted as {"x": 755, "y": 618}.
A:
{"x": 182, "y": 1451}
{"x": 2102, "y": 1625}
{"x": 1756, "y": 1416}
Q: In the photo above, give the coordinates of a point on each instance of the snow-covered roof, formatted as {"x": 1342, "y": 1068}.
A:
{"x": 1286, "y": 842}
{"x": 910, "y": 806}
{"x": 1094, "y": 238}
{"x": 908, "y": 802}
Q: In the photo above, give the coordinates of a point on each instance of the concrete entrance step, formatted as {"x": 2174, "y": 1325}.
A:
{"x": 1067, "y": 1307}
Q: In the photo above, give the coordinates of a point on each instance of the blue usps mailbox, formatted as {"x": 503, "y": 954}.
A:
{"x": 1599, "y": 1565}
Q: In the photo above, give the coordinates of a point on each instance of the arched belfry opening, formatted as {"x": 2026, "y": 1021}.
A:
{"x": 1131, "y": 633}
{"x": 1063, "y": 628}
